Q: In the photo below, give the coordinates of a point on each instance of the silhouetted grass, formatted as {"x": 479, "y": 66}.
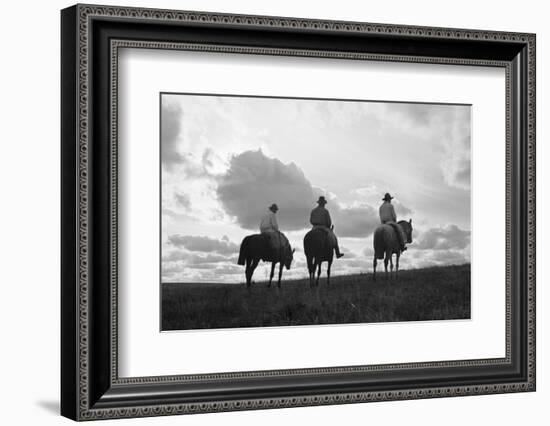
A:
{"x": 439, "y": 293}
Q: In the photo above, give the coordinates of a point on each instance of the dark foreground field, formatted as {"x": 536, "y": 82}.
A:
{"x": 439, "y": 293}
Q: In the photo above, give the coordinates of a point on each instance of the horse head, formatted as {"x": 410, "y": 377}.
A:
{"x": 407, "y": 228}
{"x": 288, "y": 257}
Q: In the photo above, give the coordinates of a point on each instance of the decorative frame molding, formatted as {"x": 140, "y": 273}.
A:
{"x": 91, "y": 388}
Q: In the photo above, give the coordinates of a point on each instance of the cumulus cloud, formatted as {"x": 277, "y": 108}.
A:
{"x": 361, "y": 263}
{"x": 170, "y": 268}
{"x": 357, "y": 221}
{"x": 182, "y": 200}
{"x": 229, "y": 269}
{"x": 443, "y": 238}
{"x": 183, "y": 264}
{"x": 455, "y": 164}
{"x": 207, "y": 272}
{"x": 173, "y": 215}
{"x": 368, "y": 252}
{"x": 254, "y": 181}
{"x": 373, "y": 193}
{"x": 171, "y": 117}
{"x": 203, "y": 244}
{"x": 451, "y": 125}
{"x": 349, "y": 254}
{"x": 454, "y": 257}
{"x": 441, "y": 257}
{"x": 196, "y": 166}
{"x": 416, "y": 114}
{"x": 193, "y": 258}
{"x": 401, "y": 210}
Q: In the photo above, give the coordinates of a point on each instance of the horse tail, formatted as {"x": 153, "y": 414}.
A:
{"x": 242, "y": 252}
{"x": 379, "y": 243}
{"x": 307, "y": 245}
{"x": 310, "y": 263}
{"x": 316, "y": 245}
{"x": 308, "y": 251}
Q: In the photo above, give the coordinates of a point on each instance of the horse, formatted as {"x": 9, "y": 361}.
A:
{"x": 256, "y": 247}
{"x": 318, "y": 249}
{"x": 386, "y": 243}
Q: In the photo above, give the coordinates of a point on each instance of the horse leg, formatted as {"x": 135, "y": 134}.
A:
{"x": 386, "y": 259}
{"x": 247, "y": 272}
{"x": 311, "y": 270}
{"x": 280, "y": 274}
{"x": 328, "y": 273}
{"x": 391, "y": 266}
{"x": 374, "y": 262}
{"x": 252, "y": 269}
{"x": 318, "y": 273}
{"x": 272, "y": 273}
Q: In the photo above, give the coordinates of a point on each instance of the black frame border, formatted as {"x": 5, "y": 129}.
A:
{"x": 90, "y": 387}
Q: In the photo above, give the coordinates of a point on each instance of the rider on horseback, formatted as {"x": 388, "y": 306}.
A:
{"x": 320, "y": 219}
{"x": 270, "y": 228}
{"x": 388, "y": 216}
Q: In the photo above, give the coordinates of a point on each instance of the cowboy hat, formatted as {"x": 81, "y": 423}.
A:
{"x": 273, "y": 207}
{"x": 321, "y": 200}
{"x": 387, "y": 197}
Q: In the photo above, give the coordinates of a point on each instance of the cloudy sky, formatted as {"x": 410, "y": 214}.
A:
{"x": 225, "y": 159}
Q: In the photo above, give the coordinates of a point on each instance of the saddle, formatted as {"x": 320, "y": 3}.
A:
{"x": 397, "y": 231}
{"x": 328, "y": 240}
{"x": 275, "y": 242}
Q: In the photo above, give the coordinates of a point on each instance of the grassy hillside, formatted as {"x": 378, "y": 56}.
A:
{"x": 423, "y": 294}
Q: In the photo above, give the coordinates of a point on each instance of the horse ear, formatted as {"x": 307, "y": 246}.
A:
{"x": 410, "y": 221}
{"x": 293, "y": 250}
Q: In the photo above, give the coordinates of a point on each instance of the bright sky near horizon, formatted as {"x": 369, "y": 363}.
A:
{"x": 225, "y": 159}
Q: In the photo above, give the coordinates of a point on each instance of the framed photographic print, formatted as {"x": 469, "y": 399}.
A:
{"x": 263, "y": 212}
{"x": 226, "y": 190}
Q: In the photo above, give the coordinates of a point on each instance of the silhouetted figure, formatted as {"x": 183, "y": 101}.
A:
{"x": 269, "y": 246}
{"x": 255, "y": 248}
{"x": 386, "y": 244}
{"x": 270, "y": 228}
{"x": 320, "y": 219}
{"x": 388, "y": 216}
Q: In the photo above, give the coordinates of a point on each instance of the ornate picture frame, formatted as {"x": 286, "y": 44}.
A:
{"x": 91, "y": 37}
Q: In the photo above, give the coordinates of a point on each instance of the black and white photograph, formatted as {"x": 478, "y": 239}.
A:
{"x": 280, "y": 211}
